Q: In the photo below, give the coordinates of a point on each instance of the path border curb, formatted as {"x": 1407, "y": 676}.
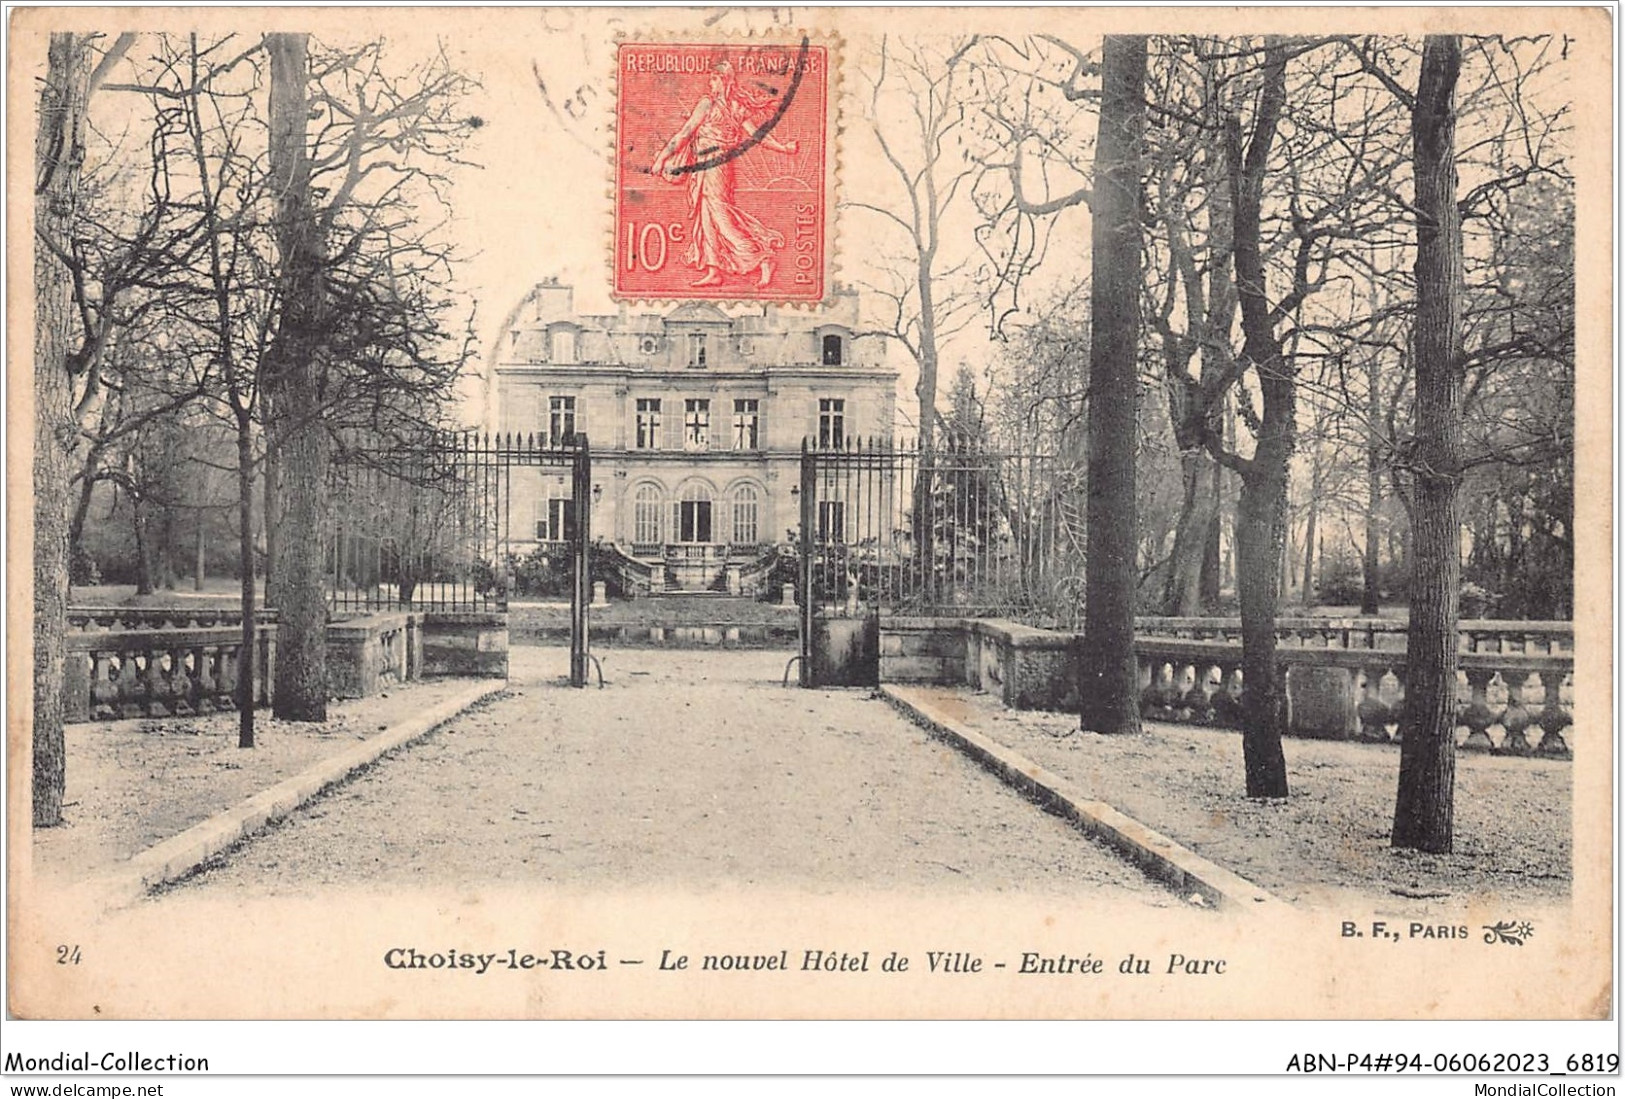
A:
{"x": 1156, "y": 854}
{"x": 181, "y": 854}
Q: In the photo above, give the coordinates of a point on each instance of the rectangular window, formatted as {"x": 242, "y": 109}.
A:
{"x": 747, "y": 418}
{"x": 831, "y": 422}
{"x": 831, "y": 521}
{"x": 561, "y": 419}
{"x": 556, "y": 520}
{"x": 696, "y": 350}
{"x": 694, "y": 521}
{"x": 696, "y": 423}
{"x": 648, "y": 434}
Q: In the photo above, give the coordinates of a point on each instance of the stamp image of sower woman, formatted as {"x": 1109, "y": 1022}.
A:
{"x": 723, "y": 236}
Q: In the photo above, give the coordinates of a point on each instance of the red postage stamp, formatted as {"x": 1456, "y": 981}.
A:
{"x": 722, "y": 173}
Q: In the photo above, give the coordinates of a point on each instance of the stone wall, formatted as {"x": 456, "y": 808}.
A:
{"x": 464, "y": 643}
{"x": 1028, "y": 668}
{"x": 922, "y": 650}
{"x": 845, "y": 652}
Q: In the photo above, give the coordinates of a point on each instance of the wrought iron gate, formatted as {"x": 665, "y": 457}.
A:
{"x": 954, "y": 530}
{"x": 429, "y": 526}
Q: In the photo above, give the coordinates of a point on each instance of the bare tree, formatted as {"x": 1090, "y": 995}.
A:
{"x": 1307, "y": 191}
{"x": 59, "y": 154}
{"x": 58, "y": 158}
{"x": 293, "y": 372}
{"x": 1109, "y": 692}
{"x": 373, "y": 353}
{"x": 1260, "y": 520}
{"x": 1424, "y": 812}
{"x": 923, "y": 145}
{"x": 358, "y": 316}
{"x": 1191, "y": 294}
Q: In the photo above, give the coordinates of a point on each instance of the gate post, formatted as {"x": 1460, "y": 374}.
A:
{"x": 809, "y": 520}
{"x": 581, "y": 587}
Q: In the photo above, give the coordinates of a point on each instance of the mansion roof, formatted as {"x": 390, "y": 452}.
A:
{"x": 544, "y": 330}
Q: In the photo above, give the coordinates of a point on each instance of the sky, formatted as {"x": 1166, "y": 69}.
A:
{"x": 540, "y": 205}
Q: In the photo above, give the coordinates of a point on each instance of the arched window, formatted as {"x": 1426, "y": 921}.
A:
{"x": 745, "y": 515}
{"x": 834, "y": 350}
{"x": 646, "y": 516}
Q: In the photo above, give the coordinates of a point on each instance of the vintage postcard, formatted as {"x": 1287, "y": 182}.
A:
{"x": 801, "y": 513}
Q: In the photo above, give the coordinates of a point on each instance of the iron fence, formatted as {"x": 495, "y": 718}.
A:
{"x": 429, "y": 526}
{"x": 955, "y": 529}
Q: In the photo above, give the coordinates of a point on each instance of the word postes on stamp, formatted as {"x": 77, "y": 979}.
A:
{"x": 722, "y": 187}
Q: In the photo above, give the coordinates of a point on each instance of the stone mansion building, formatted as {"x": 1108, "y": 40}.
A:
{"x": 695, "y": 416}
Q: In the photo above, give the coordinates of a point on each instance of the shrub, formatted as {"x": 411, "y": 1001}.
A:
{"x": 1477, "y": 602}
{"x": 83, "y": 570}
{"x": 1341, "y": 581}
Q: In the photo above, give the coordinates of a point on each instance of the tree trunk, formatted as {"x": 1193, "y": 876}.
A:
{"x": 1193, "y": 536}
{"x": 293, "y": 382}
{"x": 1424, "y": 809}
{"x": 58, "y": 158}
{"x": 270, "y": 485}
{"x": 1289, "y": 561}
{"x": 1221, "y": 307}
{"x": 1371, "y": 597}
{"x": 164, "y": 574}
{"x": 245, "y": 557}
{"x": 1309, "y": 536}
{"x": 1261, "y": 512}
{"x": 1212, "y": 565}
{"x": 1109, "y": 690}
{"x": 1260, "y": 545}
{"x": 1228, "y": 508}
{"x": 200, "y": 551}
{"x": 925, "y": 389}
{"x": 83, "y": 499}
{"x": 140, "y": 526}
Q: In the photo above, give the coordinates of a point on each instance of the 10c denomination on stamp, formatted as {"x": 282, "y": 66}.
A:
{"x": 722, "y": 170}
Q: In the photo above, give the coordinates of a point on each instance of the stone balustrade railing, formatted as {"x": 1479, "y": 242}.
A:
{"x": 173, "y": 672}
{"x": 635, "y": 570}
{"x": 1502, "y": 698}
{"x": 1518, "y": 703}
{"x": 162, "y": 618}
{"x": 366, "y": 654}
{"x": 113, "y": 674}
{"x": 1477, "y": 634}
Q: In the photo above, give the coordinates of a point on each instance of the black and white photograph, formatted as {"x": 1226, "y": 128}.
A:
{"x": 812, "y": 514}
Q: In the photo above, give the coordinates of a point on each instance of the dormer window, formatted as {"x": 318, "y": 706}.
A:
{"x": 834, "y": 350}
{"x": 562, "y": 345}
{"x": 696, "y": 350}
{"x": 649, "y": 345}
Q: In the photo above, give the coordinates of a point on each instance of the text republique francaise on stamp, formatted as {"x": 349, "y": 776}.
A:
{"x": 722, "y": 182}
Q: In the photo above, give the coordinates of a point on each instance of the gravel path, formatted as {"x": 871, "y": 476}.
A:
{"x": 694, "y": 769}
